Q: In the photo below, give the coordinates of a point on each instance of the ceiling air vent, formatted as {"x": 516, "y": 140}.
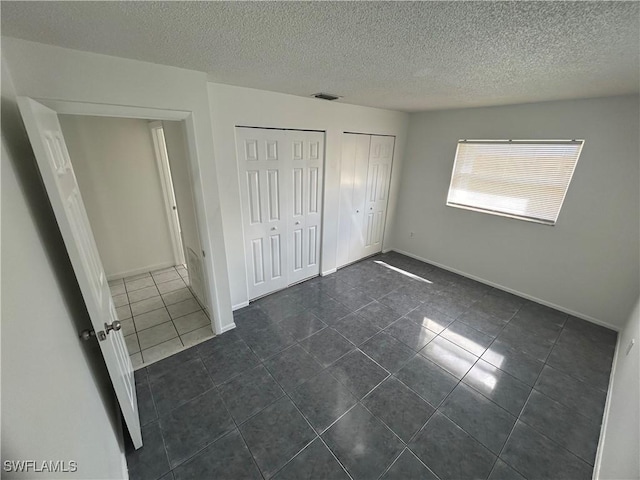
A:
{"x": 325, "y": 96}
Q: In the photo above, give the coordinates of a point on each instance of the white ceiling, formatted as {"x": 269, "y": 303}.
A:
{"x": 406, "y": 56}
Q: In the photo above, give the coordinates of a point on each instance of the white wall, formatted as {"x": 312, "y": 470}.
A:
{"x": 56, "y": 400}
{"x": 231, "y": 106}
{"x": 586, "y": 264}
{"x": 47, "y": 72}
{"x": 114, "y": 162}
{"x": 619, "y": 449}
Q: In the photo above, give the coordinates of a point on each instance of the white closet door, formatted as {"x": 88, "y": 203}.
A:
{"x": 263, "y": 166}
{"x": 365, "y": 174}
{"x": 305, "y": 205}
{"x": 377, "y": 191}
{"x": 353, "y": 174}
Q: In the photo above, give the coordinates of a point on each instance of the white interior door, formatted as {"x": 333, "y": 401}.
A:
{"x": 365, "y": 172}
{"x": 262, "y": 165}
{"x": 357, "y": 238}
{"x": 304, "y": 201}
{"x": 177, "y": 150}
{"x": 377, "y": 191}
{"x": 170, "y": 204}
{"x": 59, "y": 180}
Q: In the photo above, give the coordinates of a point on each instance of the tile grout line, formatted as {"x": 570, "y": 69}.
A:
{"x": 133, "y": 319}
{"x": 525, "y": 406}
{"x": 237, "y": 427}
{"x": 164, "y": 443}
{"x": 526, "y": 403}
{"x": 318, "y": 435}
{"x": 168, "y": 314}
{"x": 436, "y": 409}
{"x": 359, "y": 401}
{"x": 392, "y": 375}
{"x": 478, "y": 357}
{"x": 326, "y": 369}
{"x": 215, "y": 388}
{"x": 388, "y": 376}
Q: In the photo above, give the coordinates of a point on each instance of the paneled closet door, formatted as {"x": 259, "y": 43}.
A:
{"x": 365, "y": 173}
{"x": 377, "y": 192}
{"x": 304, "y": 214}
{"x": 263, "y": 164}
{"x": 355, "y": 151}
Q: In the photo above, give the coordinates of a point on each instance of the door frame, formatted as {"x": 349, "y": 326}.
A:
{"x": 164, "y": 171}
{"x": 147, "y": 113}
{"x": 242, "y": 219}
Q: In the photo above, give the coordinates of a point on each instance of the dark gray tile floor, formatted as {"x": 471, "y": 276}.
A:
{"x": 390, "y": 368}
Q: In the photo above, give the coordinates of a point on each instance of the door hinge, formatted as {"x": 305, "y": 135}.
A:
{"x": 204, "y": 254}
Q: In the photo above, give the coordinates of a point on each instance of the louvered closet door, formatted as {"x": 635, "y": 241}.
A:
{"x": 305, "y": 206}
{"x": 377, "y": 191}
{"x": 263, "y": 168}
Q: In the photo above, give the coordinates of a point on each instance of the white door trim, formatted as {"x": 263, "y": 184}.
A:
{"x": 126, "y": 111}
{"x": 164, "y": 171}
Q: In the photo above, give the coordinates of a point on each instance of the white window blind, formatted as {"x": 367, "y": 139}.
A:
{"x": 525, "y": 179}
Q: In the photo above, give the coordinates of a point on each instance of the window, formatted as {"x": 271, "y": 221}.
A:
{"x": 524, "y": 179}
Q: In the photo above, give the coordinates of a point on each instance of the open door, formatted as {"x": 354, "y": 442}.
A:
{"x": 174, "y": 138}
{"x": 60, "y": 182}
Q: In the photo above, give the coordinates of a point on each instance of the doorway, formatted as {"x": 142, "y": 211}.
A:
{"x": 135, "y": 182}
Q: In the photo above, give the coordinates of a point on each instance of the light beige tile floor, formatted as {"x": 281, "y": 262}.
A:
{"x": 159, "y": 314}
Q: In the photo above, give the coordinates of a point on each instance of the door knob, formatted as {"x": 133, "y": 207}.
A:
{"x": 297, "y": 223}
{"x": 357, "y": 211}
{"x": 274, "y": 228}
{"x": 115, "y": 326}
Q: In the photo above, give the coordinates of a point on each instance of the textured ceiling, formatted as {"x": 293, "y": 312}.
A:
{"x": 405, "y": 56}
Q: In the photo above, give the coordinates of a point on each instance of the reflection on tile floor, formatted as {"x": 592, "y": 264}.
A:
{"x": 159, "y": 315}
{"x": 390, "y": 368}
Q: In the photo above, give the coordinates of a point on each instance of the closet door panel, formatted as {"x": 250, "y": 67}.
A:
{"x": 378, "y": 179}
{"x": 346, "y": 209}
{"x": 365, "y": 174}
{"x": 262, "y": 195}
{"x": 352, "y": 220}
{"x": 305, "y": 217}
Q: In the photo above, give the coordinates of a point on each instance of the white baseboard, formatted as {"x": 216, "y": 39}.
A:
{"x": 511, "y": 290}
{"x": 605, "y": 417}
{"x": 138, "y": 271}
{"x": 227, "y": 327}
{"x": 329, "y": 272}
{"x": 240, "y": 305}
